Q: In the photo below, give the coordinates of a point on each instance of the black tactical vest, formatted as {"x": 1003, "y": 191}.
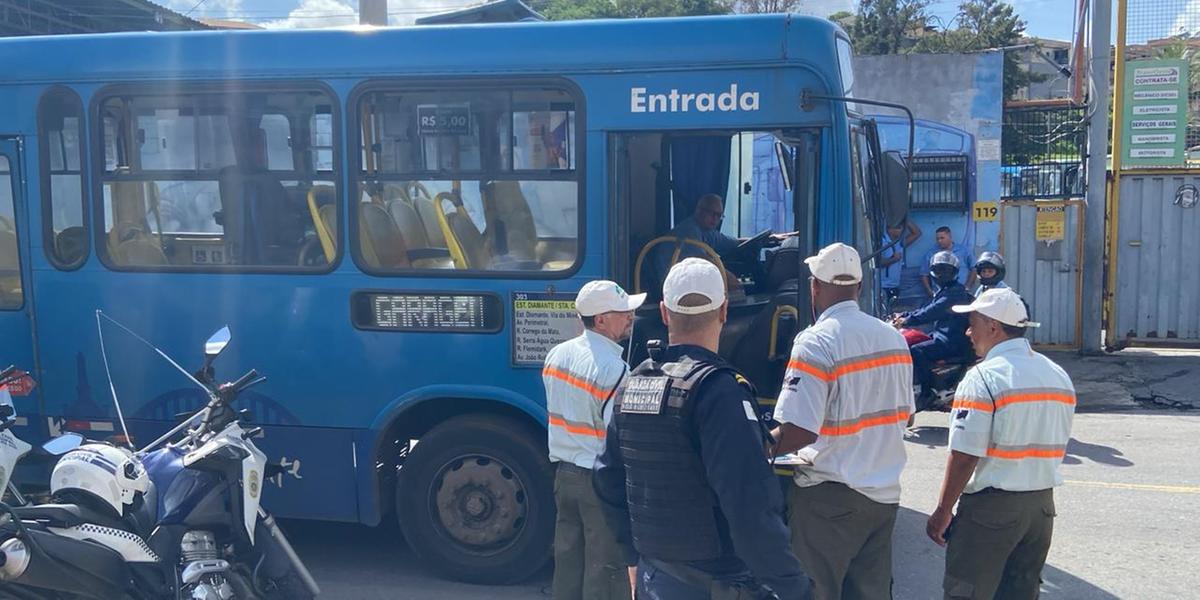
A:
{"x": 671, "y": 506}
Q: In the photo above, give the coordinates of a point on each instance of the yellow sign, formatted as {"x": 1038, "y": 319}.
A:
{"x": 986, "y": 211}
{"x": 1051, "y": 222}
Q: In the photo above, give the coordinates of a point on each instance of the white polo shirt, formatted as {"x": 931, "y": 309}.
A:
{"x": 849, "y": 380}
{"x": 580, "y": 374}
{"x": 1014, "y": 411}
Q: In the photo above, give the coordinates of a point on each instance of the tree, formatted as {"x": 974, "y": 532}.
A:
{"x": 888, "y": 26}
{"x": 565, "y": 10}
{"x": 844, "y": 18}
{"x": 767, "y": 6}
{"x": 981, "y": 25}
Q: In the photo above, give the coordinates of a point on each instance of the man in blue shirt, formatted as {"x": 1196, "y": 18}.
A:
{"x": 966, "y": 262}
{"x": 891, "y": 260}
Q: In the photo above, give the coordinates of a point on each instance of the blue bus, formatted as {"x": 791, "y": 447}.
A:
{"x": 393, "y": 223}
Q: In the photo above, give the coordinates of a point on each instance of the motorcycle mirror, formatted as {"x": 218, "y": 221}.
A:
{"x": 63, "y": 444}
{"x": 216, "y": 343}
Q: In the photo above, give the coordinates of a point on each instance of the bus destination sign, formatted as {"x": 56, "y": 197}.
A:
{"x": 464, "y": 313}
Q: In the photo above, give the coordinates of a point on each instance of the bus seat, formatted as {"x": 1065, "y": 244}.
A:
{"x": 467, "y": 245}
{"x": 410, "y": 224}
{"x": 382, "y": 242}
{"x": 138, "y": 250}
{"x": 557, "y": 255}
{"x": 328, "y": 215}
{"x": 421, "y": 201}
{"x": 70, "y": 244}
{"x": 510, "y": 228}
{"x": 8, "y": 251}
{"x": 428, "y": 214}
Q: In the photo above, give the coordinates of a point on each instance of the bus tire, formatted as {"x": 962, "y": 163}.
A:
{"x": 475, "y": 499}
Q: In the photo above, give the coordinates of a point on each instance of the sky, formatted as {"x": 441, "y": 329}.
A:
{"x": 1045, "y": 18}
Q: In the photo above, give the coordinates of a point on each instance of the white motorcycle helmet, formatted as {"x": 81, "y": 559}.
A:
{"x": 112, "y": 475}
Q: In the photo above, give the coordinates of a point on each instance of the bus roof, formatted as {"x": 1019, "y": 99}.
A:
{"x": 552, "y": 47}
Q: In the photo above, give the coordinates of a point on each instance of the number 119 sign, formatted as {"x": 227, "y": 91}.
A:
{"x": 985, "y": 211}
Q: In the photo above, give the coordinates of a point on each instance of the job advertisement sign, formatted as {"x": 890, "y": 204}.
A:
{"x": 1155, "y": 113}
{"x": 541, "y": 321}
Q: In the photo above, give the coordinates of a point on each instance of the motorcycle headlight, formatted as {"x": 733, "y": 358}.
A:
{"x": 14, "y": 559}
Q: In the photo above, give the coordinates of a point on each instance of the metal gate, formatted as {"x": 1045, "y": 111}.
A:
{"x": 1042, "y": 243}
{"x": 1154, "y": 260}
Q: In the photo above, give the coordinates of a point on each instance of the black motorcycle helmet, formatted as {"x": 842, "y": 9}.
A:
{"x": 990, "y": 260}
{"x": 944, "y": 267}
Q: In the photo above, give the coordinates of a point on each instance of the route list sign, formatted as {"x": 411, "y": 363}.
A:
{"x": 1155, "y": 113}
{"x": 541, "y": 321}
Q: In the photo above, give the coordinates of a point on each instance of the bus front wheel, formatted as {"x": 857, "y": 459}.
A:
{"x": 475, "y": 500}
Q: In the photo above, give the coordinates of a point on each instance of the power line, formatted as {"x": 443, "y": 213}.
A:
{"x": 194, "y": 7}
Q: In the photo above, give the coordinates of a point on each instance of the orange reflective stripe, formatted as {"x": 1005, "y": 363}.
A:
{"x": 557, "y": 421}
{"x": 598, "y": 393}
{"x": 815, "y": 371}
{"x": 854, "y": 426}
{"x": 1061, "y": 397}
{"x": 971, "y": 405}
{"x": 873, "y": 363}
{"x": 852, "y": 366}
{"x": 1032, "y": 452}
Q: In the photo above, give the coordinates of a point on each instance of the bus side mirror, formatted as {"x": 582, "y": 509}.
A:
{"x": 895, "y": 189}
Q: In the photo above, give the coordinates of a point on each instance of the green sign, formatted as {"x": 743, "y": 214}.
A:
{"x": 1155, "y": 115}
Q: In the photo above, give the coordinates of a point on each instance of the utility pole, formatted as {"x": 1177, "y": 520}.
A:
{"x": 1097, "y": 171}
{"x": 372, "y": 12}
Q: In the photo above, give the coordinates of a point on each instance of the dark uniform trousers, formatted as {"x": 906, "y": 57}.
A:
{"x": 685, "y": 583}
{"x": 587, "y": 559}
{"x": 844, "y": 541}
{"x": 997, "y": 545}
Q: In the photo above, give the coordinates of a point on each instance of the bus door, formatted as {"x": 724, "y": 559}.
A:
{"x": 16, "y": 306}
{"x": 765, "y": 183}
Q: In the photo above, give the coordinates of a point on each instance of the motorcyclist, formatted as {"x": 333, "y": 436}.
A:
{"x": 949, "y": 333}
{"x": 989, "y": 270}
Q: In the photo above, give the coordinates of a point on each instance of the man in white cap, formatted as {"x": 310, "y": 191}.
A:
{"x": 846, "y": 398}
{"x": 1009, "y": 429}
{"x": 683, "y": 475}
{"x": 580, "y": 375}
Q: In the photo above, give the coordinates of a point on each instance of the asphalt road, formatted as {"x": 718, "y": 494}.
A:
{"x": 1128, "y": 524}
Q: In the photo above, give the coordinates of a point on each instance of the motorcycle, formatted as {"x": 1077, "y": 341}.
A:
{"x": 192, "y": 527}
{"x": 944, "y": 379}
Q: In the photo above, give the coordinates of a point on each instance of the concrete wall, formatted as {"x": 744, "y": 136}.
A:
{"x": 962, "y": 90}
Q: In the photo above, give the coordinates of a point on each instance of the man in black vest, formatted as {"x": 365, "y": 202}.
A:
{"x": 684, "y": 476}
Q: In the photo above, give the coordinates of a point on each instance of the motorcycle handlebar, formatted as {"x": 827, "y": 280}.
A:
{"x": 244, "y": 381}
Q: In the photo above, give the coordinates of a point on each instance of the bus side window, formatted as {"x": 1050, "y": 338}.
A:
{"x": 477, "y": 180}
{"x": 60, "y": 119}
{"x": 210, "y": 179}
{"x": 10, "y": 262}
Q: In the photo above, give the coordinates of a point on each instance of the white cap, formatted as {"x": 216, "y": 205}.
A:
{"x": 837, "y": 264}
{"x": 1001, "y": 304}
{"x": 694, "y": 276}
{"x": 597, "y": 297}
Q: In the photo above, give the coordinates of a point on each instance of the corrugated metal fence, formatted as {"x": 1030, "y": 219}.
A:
{"x": 1155, "y": 278}
{"x": 1042, "y": 244}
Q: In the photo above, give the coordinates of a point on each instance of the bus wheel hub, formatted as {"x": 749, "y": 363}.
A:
{"x": 480, "y": 502}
